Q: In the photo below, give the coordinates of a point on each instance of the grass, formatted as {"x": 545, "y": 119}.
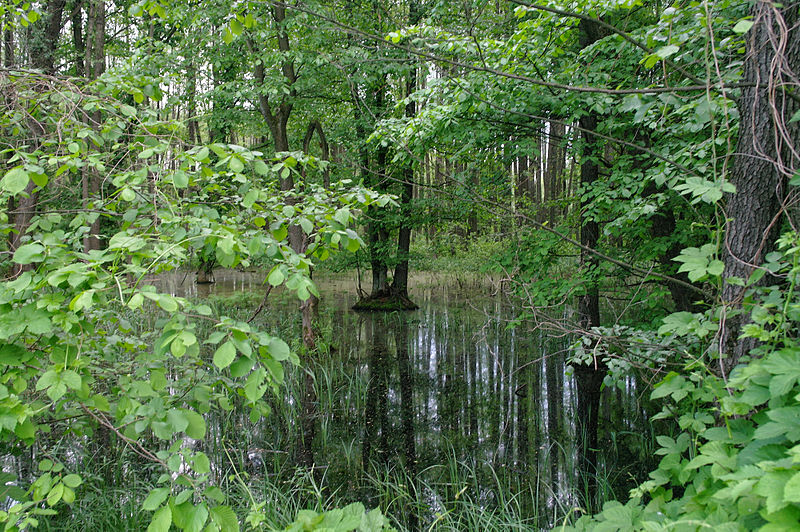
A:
{"x": 255, "y": 462}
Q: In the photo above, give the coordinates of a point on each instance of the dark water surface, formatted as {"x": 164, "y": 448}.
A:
{"x": 449, "y": 395}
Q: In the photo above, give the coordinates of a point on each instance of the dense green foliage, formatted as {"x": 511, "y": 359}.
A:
{"x": 633, "y": 160}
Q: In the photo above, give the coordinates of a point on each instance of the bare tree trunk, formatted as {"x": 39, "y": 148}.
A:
{"x": 554, "y": 168}
{"x": 191, "y": 110}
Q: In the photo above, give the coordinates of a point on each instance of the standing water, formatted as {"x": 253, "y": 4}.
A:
{"x": 437, "y": 413}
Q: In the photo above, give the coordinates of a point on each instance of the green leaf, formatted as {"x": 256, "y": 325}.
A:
{"x": 162, "y": 520}
{"x": 224, "y": 355}
{"x": 55, "y": 494}
{"x": 651, "y": 60}
{"x": 71, "y": 379}
{"x": 235, "y": 164}
{"x": 276, "y": 276}
{"x": 167, "y": 302}
{"x": 278, "y": 349}
{"x": 236, "y": 27}
{"x": 155, "y": 499}
{"x": 29, "y": 253}
{"x": 306, "y": 224}
{"x": 791, "y": 492}
{"x": 225, "y": 518}
{"x": 743, "y": 26}
{"x": 263, "y": 170}
{"x": 196, "y": 517}
{"x": 127, "y": 194}
{"x": 177, "y": 420}
{"x": 197, "y": 425}
{"x": 201, "y": 464}
{"x": 250, "y": 198}
{"x": 254, "y": 387}
{"x": 180, "y": 179}
{"x": 666, "y": 51}
{"x": 72, "y": 480}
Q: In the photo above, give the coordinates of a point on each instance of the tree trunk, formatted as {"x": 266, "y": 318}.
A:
{"x": 554, "y": 168}
{"x": 76, "y": 17}
{"x": 8, "y": 42}
{"x": 400, "y": 283}
{"x": 43, "y": 44}
{"x": 588, "y": 379}
{"x": 765, "y": 159}
{"x": 316, "y": 126}
{"x": 191, "y": 108}
{"x": 95, "y": 65}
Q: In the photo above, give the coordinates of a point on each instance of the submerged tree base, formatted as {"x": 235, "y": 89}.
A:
{"x": 204, "y": 277}
{"x": 384, "y": 303}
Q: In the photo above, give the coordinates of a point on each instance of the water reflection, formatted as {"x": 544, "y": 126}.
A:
{"x": 449, "y": 394}
{"x": 454, "y": 397}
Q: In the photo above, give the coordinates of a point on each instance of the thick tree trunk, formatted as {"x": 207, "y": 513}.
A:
{"x": 664, "y": 226}
{"x": 43, "y": 43}
{"x": 766, "y": 157}
{"x": 76, "y": 17}
{"x": 400, "y": 283}
{"x": 588, "y": 379}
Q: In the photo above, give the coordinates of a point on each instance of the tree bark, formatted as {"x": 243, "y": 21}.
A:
{"x": 76, "y": 18}
{"x": 316, "y": 126}
{"x": 41, "y": 49}
{"x": 400, "y": 283}
{"x": 589, "y": 379}
{"x": 766, "y": 158}
{"x": 554, "y": 168}
{"x": 95, "y": 65}
{"x": 43, "y": 43}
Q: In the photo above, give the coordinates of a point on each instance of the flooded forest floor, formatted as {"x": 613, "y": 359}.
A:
{"x": 446, "y": 417}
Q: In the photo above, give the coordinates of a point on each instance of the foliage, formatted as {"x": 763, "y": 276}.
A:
{"x": 69, "y": 352}
{"x": 734, "y": 463}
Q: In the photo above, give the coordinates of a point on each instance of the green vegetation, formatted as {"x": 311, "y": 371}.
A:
{"x": 625, "y": 172}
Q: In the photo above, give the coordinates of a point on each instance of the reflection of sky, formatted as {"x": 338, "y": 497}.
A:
{"x": 477, "y": 385}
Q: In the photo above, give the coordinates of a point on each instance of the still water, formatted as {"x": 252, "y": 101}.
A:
{"x": 447, "y": 401}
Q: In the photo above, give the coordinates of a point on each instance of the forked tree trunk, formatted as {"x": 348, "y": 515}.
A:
{"x": 400, "y": 283}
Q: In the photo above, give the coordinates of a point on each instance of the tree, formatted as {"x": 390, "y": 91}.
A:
{"x": 766, "y": 159}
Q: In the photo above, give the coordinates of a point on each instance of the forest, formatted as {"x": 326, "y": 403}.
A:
{"x": 389, "y": 265}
